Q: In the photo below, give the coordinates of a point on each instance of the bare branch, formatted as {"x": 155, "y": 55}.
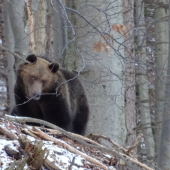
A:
{"x": 15, "y": 54}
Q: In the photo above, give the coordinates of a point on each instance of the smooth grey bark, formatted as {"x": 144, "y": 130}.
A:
{"x": 143, "y": 80}
{"x": 130, "y": 90}
{"x": 34, "y": 7}
{"x": 10, "y": 58}
{"x": 59, "y": 26}
{"x": 14, "y": 27}
{"x": 40, "y": 28}
{"x": 164, "y": 147}
{"x": 103, "y": 72}
{"x": 161, "y": 58}
{"x": 16, "y": 16}
{"x": 71, "y": 53}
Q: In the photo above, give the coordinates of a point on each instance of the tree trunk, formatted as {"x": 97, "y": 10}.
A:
{"x": 16, "y": 15}
{"x": 161, "y": 57}
{"x": 14, "y": 27}
{"x": 59, "y": 24}
{"x": 130, "y": 90}
{"x": 143, "y": 81}
{"x": 10, "y": 58}
{"x": 164, "y": 147}
{"x": 103, "y": 72}
{"x": 31, "y": 26}
{"x": 71, "y": 53}
{"x": 40, "y": 28}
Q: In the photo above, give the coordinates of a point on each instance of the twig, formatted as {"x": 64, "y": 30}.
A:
{"x": 72, "y": 163}
{"x": 9, "y": 134}
{"x": 108, "y": 139}
{"x": 54, "y": 132}
{"x": 50, "y": 165}
{"x": 29, "y": 133}
{"x": 15, "y": 55}
{"x": 138, "y": 139}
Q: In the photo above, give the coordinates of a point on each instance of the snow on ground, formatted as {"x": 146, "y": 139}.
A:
{"x": 61, "y": 157}
{"x": 4, "y": 159}
{"x": 58, "y": 155}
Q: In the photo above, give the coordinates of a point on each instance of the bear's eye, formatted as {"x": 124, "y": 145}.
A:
{"x": 32, "y": 77}
{"x": 43, "y": 82}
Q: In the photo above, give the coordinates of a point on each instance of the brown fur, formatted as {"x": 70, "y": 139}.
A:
{"x": 38, "y": 82}
{"x": 38, "y": 71}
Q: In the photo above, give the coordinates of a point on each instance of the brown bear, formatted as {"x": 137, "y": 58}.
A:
{"x": 47, "y": 92}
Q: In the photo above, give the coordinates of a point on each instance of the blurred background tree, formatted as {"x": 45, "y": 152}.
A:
{"x": 117, "y": 48}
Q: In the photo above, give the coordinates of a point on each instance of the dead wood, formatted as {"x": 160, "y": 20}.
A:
{"x": 50, "y": 165}
{"x": 72, "y": 163}
{"x": 19, "y": 165}
{"x": 34, "y": 152}
{"x": 68, "y": 147}
{"x": 130, "y": 161}
{"x": 68, "y": 134}
{"x": 56, "y": 132}
{"x": 94, "y": 136}
{"x": 8, "y": 133}
{"x": 29, "y": 133}
{"x": 12, "y": 152}
{"x": 138, "y": 139}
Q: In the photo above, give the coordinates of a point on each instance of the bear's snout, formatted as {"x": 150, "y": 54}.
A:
{"x": 35, "y": 90}
{"x": 36, "y": 96}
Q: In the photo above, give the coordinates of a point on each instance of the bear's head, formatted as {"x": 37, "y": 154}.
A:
{"x": 38, "y": 75}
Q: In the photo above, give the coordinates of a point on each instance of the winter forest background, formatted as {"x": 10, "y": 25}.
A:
{"x": 119, "y": 50}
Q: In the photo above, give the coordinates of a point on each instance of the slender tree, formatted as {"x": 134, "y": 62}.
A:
{"x": 16, "y": 39}
{"x": 40, "y": 28}
{"x": 130, "y": 93}
{"x": 161, "y": 58}
{"x": 143, "y": 81}
{"x": 164, "y": 147}
{"x": 59, "y": 27}
{"x": 21, "y": 38}
{"x": 10, "y": 59}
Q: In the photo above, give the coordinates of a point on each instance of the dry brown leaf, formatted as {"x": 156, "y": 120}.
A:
{"x": 19, "y": 131}
{"x": 97, "y": 46}
{"x": 11, "y": 126}
{"x": 106, "y": 48}
{"x": 119, "y": 28}
{"x": 114, "y": 27}
{"x": 6, "y": 122}
{"x": 106, "y": 36}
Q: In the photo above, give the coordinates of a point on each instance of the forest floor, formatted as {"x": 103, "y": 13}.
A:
{"x": 25, "y": 147}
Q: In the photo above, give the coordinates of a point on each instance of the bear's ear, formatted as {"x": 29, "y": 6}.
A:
{"x": 54, "y": 67}
{"x": 32, "y": 58}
